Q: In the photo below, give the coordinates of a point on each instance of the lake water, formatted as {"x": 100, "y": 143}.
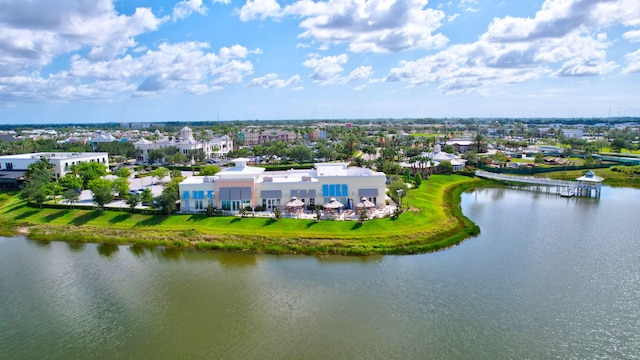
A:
{"x": 549, "y": 277}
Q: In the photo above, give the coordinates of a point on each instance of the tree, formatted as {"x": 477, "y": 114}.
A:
{"x": 538, "y": 158}
{"x": 89, "y": 171}
{"x": 417, "y": 180}
{"x": 123, "y": 172}
{"x": 71, "y": 196}
{"x": 35, "y": 188}
{"x": 133, "y": 201}
{"x": 121, "y": 187}
{"x": 146, "y": 197}
{"x": 277, "y": 213}
{"x": 390, "y": 167}
{"x": 54, "y": 189}
{"x": 479, "y": 141}
{"x": 397, "y": 184}
{"x": 445, "y": 167}
{"x": 209, "y": 170}
{"x": 197, "y": 155}
{"x": 618, "y": 144}
{"x": 42, "y": 164}
{"x": 300, "y": 154}
{"x": 170, "y": 195}
{"x": 160, "y": 172}
{"x": 589, "y": 161}
{"x": 156, "y": 155}
{"x": 364, "y": 215}
{"x": 102, "y": 190}
{"x": 499, "y": 157}
{"x": 70, "y": 181}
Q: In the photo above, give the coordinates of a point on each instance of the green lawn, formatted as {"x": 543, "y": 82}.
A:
{"x": 434, "y": 221}
{"x": 625, "y": 177}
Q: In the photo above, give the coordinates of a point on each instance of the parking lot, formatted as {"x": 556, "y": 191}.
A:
{"x": 86, "y": 196}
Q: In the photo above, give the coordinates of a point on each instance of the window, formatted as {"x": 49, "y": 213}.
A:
{"x": 199, "y": 205}
{"x": 335, "y": 190}
{"x": 198, "y": 195}
{"x": 8, "y": 166}
{"x": 270, "y": 204}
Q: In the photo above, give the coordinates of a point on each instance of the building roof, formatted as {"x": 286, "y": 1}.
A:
{"x": 589, "y": 176}
{"x": 53, "y": 155}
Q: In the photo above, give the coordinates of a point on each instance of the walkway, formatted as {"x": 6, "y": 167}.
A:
{"x": 563, "y": 187}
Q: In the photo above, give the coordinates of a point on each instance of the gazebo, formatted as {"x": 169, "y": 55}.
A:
{"x": 587, "y": 182}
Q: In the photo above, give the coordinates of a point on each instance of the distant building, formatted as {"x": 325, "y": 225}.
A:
{"x": 439, "y": 156}
{"x": 185, "y": 142}
{"x": 461, "y": 146}
{"x": 61, "y": 161}
{"x": 573, "y": 133}
{"x": 135, "y": 125}
{"x": 258, "y": 136}
{"x": 103, "y": 138}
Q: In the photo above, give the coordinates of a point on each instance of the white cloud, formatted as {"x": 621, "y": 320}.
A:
{"x": 326, "y": 70}
{"x": 259, "y": 9}
{"x": 632, "y": 36}
{"x": 633, "y": 60}
{"x": 33, "y": 32}
{"x": 360, "y": 73}
{"x": 558, "y": 18}
{"x": 184, "y": 8}
{"x": 184, "y": 67}
{"x": 271, "y": 81}
{"x": 469, "y": 5}
{"x": 559, "y": 42}
{"x": 367, "y": 26}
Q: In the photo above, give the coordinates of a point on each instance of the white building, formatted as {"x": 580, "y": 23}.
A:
{"x": 247, "y": 186}
{"x": 439, "y": 156}
{"x": 61, "y": 161}
{"x": 185, "y": 142}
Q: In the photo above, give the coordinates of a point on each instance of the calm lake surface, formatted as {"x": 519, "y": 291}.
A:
{"x": 549, "y": 277}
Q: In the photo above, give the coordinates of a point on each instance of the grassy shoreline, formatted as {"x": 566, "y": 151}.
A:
{"x": 434, "y": 222}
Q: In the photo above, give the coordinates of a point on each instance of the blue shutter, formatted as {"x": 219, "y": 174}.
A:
{"x": 345, "y": 190}
{"x": 325, "y": 190}
{"x": 185, "y": 195}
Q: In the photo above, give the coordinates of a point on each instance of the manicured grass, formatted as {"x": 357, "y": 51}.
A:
{"x": 434, "y": 221}
{"x": 611, "y": 177}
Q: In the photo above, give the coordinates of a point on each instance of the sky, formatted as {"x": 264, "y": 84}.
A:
{"x": 94, "y": 61}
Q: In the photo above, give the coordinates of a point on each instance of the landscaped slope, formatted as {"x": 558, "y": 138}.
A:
{"x": 434, "y": 221}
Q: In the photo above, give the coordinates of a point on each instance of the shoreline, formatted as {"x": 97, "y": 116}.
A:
{"x": 433, "y": 223}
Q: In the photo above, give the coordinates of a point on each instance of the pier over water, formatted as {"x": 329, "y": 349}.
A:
{"x": 587, "y": 185}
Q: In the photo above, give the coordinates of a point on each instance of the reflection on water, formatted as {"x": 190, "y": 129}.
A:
{"x": 548, "y": 277}
{"x": 107, "y": 250}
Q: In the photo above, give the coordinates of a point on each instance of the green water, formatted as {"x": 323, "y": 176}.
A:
{"x": 548, "y": 277}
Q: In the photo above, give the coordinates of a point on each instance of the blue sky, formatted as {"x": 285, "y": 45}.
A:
{"x": 91, "y": 61}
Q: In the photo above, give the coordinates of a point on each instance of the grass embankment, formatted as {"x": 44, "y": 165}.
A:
{"x": 435, "y": 221}
{"x": 627, "y": 176}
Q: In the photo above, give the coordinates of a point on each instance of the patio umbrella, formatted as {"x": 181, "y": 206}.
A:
{"x": 333, "y": 204}
{"x": 294, "y": 204}
{"x": 365, "y": 203}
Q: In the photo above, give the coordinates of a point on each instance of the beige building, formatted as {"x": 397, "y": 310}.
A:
{"x": 250, "y": 187}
